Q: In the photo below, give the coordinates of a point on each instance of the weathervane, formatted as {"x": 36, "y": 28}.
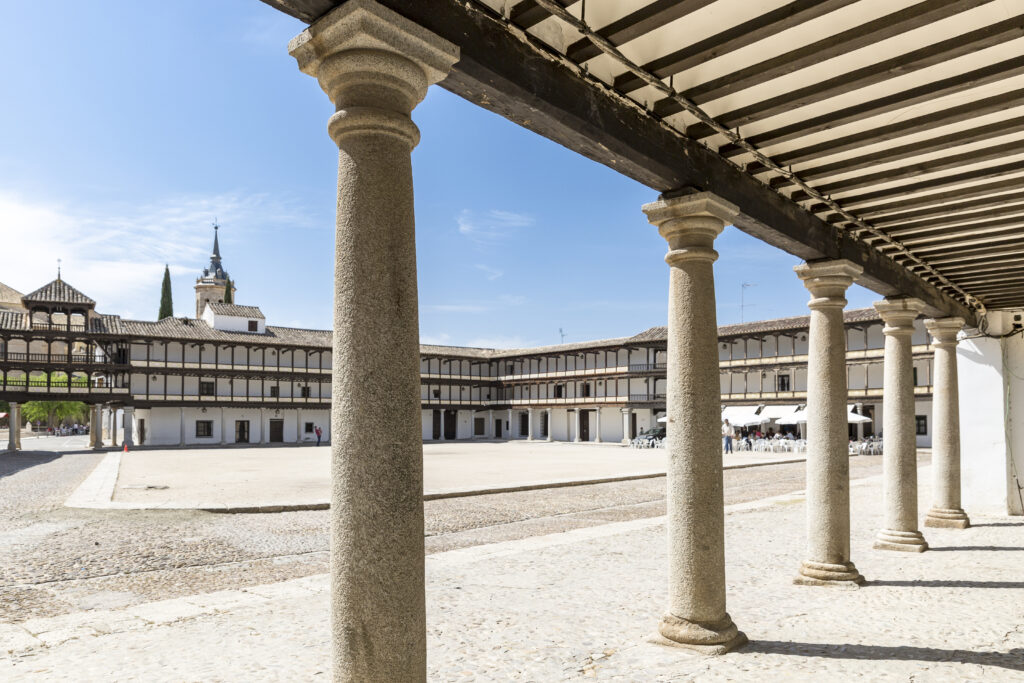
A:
{"x": 58, "y": 269}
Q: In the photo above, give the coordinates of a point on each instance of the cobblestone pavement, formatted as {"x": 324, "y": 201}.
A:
{"x": 55, "y": 560}
{"x": 580, "y": 605}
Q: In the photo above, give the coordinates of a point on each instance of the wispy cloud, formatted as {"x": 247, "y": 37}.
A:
{"x": 117, "y": 255}
{"x": 492, "y": 226}
{"x": 489, "y": 272}
{"x": 512, "y": 299}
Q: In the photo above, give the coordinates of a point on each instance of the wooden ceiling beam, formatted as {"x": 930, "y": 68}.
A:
{"x": 888, "y": 26}
{"x": 931, "y": 232}
{"x": 952, "y": 162}
{"x": 892, "y": 131}
{"x": 634, "y": 25}
{"x": 930, "y": 200}
{"x": 930, "y": 55}
{"x": 940, "y": 143}
{"x": 929, "y": 92}
{"x": 951, "y": 214}
{"x": 732, "y": 39}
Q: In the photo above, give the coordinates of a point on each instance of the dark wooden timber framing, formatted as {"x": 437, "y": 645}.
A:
{"x": 727, "y": 41}
{"x": 634, "y": 25}
{"x": 943, "y": 117}
{"x": 529, "y": 85}
{"x": 855, "y": 38}
{"x": 871, "y": 74}
{"x": 942, "y": 142}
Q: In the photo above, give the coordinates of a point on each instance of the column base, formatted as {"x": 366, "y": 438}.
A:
{"x": 825, "y": 574}
{"x": 715, "y": 638}
{"x": 902, "y": 541}
{"x": 947, "y": 518}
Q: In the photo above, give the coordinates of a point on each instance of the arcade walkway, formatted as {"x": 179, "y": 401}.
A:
{"x": 580, "y": 604}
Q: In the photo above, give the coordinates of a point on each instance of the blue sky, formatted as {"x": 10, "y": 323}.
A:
{"x": 130, "y": 126}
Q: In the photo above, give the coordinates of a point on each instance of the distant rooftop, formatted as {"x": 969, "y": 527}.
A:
{"x": 234, "y": 310}
{"x": 58, "y": 292}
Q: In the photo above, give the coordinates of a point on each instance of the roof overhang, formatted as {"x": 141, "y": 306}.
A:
{"x": 867, "y": 128}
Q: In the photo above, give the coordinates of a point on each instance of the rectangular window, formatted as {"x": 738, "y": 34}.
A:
{"x": 305, "y": 392}
{"x": 922, "y": 425}
{"x": 309, "y": 427}
{"x": 254, "y": 326}
{"x": 436, "y": 393}
{"x": 586, "y": 389}
{"x": 207, "y": 388}
{"x": 204, "y": 429}
{"x": 559, "y": 391}
{"x": 275, "y": 391}
{"x": 783, "y": 383}
{"x": 915, "y": 380}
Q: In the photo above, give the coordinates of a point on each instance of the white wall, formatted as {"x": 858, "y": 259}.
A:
{"x": 163, "y": 425}
{"x": 991, "y": 374}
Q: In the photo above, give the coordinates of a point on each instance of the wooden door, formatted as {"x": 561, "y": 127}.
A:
{"x": 449, "y": 424}
{"x": 277, "y": 431}
{"x": 584, "y": 425}
{"x": 436, "y": 427}
{"x": 497, "y": 428}
{"x": 241, "y": 431}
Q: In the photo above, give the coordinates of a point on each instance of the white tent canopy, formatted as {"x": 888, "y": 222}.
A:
{"x": 742, "y": 416}
{"x": 801, "y": 417}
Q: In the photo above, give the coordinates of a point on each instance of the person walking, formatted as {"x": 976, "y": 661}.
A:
{"x": 319, "y": 432}
{"x": 728, "y": 432}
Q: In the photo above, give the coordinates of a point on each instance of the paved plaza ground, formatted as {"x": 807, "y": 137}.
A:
{"x": 541, "y": 585}
{"x": 296, "y": 477}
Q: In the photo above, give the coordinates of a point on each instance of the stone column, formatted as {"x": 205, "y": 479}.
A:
{"x": 696, "y": 616}
{"x": 597, "y": 419}
{"x": 375, "y": 66}
{"x": 113, "y": 425}
{"x": 13, "y": 420}
{"x": 223, "y": 428}
{"x": 899, "y": 450}
{"x": 96, "y": 427}
{"x": 828, "y": 460}
{"x": 551, "y": 426}
{"x": 181, "y": 441}
{"x": 18, "y": 424}
{"x": 626, "y": 424}
{"x": 529, "y": 424}
{"x": 576, "y": 418}
{"x": 945, "y": 510}
{"x": 490, "y": 425}
{"x": 298, "y": 425}
{"x": 129, "y": 417}
{"x": 509, "y": 430}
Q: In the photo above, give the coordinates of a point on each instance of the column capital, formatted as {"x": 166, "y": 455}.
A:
{"x": 375, "y": 66}
{"x": 690, "y": 224}
{"x": 898, "y": 314}
{"x": 944, "y": 330}
{"x": 827, "y": 281}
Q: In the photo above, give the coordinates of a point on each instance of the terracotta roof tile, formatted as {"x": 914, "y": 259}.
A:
{"x": 58, "y": 291}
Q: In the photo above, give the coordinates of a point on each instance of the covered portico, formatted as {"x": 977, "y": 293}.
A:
{"x": 799, "y": 128}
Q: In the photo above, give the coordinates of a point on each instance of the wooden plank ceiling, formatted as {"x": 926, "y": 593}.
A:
{"x": 896, "y": 124}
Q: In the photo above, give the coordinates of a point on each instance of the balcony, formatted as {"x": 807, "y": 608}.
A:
{"x": 63, "y": 358}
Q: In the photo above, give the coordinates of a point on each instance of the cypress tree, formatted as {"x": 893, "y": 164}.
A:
{"x": 166, "y": 304}
{"x": 227, "y": 293}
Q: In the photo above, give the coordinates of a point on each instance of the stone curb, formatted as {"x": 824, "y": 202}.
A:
{"x": 97, "y": 491}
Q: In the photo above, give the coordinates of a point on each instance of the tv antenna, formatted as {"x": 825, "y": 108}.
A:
{"x": 743, "y": 292}
{"x": 562, "y": 333}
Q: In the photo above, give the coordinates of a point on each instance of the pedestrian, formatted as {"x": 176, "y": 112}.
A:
{"x": 728, "y": 431}
{"x": 319, "y": 432}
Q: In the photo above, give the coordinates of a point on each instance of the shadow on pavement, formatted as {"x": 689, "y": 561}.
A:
{"x": 1012, "y": 660}
{"x": 949, "y": 584}
{"x": 12, "y": 463}
{"x": 999, "y": 548}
